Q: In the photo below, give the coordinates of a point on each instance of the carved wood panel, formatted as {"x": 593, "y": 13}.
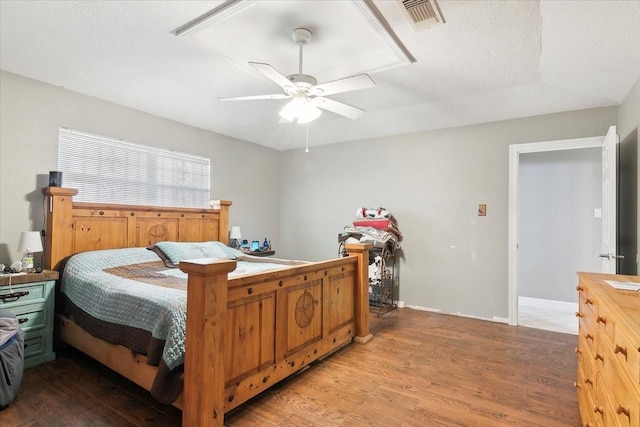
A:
{"x": 153, "y": 230}
{"x": 304, "y": 314}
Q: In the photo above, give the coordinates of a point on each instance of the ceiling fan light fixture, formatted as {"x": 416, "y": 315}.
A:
{"x": 308, "y": 113}
{"x": 300, "y": 110}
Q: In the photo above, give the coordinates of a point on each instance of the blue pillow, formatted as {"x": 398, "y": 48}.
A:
{"x": 174, "y": 252}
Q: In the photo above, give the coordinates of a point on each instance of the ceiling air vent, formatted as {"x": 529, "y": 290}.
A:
{"x": 421, "y": 14}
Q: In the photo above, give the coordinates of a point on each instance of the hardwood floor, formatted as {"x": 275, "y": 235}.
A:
{"x": 421, "y": 369}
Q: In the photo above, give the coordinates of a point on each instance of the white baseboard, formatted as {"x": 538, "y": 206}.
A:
{"x": 435, "y": 310}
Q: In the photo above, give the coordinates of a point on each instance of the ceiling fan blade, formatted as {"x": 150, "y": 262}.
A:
{"x": 360, "y": 81}
{"x": 255, "y": 97}
{"x": 273, "y": 75}
{"x": 338, "y": 107}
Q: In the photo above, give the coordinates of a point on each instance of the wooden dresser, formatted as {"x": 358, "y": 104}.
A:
{"x": 608, "y": 352}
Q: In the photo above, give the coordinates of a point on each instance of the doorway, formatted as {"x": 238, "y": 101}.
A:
{"x": 560, "y": 232}
{"x": 547, "y": 265}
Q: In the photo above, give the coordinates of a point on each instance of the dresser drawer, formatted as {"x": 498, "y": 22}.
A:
{"x": 586, "y": 363}
{"x": 586, "y": 396}
{"x": 23, "y": 294}
{"x": 600, "y": 407}
{"x": 587, "y": 304}
{"x": 627, "y": 352}
{"x": 587, "y": 337}
{"x": 622, "y": 399}
{"x": 605, "y": 321}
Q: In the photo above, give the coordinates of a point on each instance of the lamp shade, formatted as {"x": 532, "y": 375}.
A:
{"x": 30, "y": 240}
{"x": 235, "y": 233}
{"x": 300, "y": 109}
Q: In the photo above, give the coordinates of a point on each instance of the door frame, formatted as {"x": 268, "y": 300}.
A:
{"x": 515, "y": 150}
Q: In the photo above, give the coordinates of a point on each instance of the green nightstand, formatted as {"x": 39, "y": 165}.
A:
{"x": 31, "y": 298}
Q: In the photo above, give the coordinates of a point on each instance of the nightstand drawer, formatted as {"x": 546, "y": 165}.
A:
{"x": 33, "y": 344}
{"x": 22, "y": 294}
{"x": 31, "y": 316}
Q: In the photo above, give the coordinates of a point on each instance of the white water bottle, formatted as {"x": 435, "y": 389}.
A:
{"x": 27, "y": 261}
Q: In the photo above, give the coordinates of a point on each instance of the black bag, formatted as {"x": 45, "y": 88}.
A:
{"x": 11, "y": 357}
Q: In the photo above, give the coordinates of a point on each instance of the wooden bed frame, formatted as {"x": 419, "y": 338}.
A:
{"x": 243, "y": 335}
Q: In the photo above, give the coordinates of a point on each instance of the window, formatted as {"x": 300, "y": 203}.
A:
{"x": 108, "y": 170}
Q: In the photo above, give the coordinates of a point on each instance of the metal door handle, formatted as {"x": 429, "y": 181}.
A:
{"x": 611, "y": 256}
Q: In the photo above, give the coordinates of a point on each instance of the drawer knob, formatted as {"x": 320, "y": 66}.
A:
{"x": 23, "y": 320}
{"x": 576, "y": 385}
{"x": 598, "y": 409}
{"x": 598, "y": 356}
{"x": 588, "y": 381}
{"x": 588, "y": 301}
{"x": 622, "y": 410}
{"x": 577, "y": 350}
{"x": 602, "y": 320}
{"x": 579, "y": 288}
{"x": 578, "y": 314}
{"x": 588, "y": 336}
{"x": 621, "y": 350}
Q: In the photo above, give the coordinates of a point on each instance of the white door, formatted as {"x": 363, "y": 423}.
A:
{"x": 609, "y": 193}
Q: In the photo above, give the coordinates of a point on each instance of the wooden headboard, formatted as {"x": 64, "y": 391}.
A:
{"x": 81, "y": 226}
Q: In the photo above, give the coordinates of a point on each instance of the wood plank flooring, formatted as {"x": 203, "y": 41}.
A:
{"x": 421, "y": 369}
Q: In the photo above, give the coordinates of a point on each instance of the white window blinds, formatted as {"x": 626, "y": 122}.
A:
{"x": 108, "y": 170}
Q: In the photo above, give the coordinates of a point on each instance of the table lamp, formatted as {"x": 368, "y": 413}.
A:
{"x": 235, "y": 237}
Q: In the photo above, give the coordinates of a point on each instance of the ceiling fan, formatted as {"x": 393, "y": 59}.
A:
{"x": 307, "y": 96}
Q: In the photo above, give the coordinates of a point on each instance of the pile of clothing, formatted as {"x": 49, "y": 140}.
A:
{"x": 373, "y": 225}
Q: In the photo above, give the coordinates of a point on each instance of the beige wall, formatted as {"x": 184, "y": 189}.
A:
{"x": 432, "y": 182}
{"x": 31, "y": 113}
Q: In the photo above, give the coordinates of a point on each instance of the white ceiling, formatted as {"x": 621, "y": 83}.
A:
{"x": 491, "y": 60}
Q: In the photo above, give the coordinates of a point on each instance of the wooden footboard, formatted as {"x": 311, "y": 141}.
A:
{"x": 274, "y": 324}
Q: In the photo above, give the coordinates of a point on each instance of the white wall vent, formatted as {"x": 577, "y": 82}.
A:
{"x": 421, "y": 14}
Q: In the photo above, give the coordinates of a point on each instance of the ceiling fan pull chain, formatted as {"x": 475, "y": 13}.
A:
{"x": 307, "y": 149}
